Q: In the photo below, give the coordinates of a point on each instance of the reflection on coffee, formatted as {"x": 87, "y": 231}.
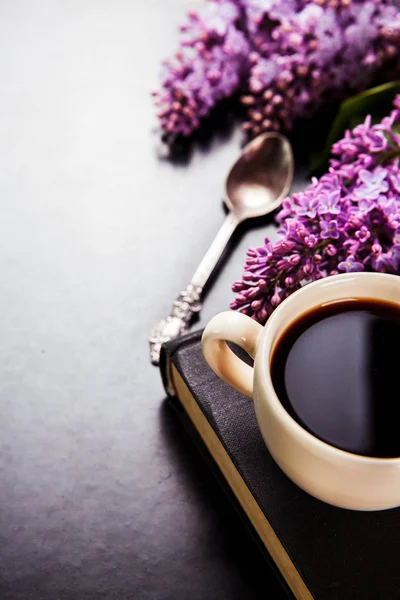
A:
{"x": 336, "y": 370}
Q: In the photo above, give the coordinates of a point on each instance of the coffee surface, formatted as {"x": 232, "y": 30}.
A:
{"x": 336, "y": 370}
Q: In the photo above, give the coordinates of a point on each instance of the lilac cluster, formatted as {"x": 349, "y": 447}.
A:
{"x": 308, "y": 52}
{"x": 286, "y": 57}
{"x": 348, "y": 220}
{"x": 209, "y": 66}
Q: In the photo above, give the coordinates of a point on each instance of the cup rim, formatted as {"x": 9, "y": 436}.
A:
{"x": 263, "y": 366}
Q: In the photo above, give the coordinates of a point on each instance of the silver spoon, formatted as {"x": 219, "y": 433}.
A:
{"x": 256, "y": 185}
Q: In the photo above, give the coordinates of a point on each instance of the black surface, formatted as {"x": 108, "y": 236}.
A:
{"x": 338, "y": 553}
{"x": 100, "y": 496}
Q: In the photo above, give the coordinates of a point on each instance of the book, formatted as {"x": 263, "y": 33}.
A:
{"x": 322, "y": 552}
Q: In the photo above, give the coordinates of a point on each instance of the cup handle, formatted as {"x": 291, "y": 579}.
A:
{"x": 241, "y": 330}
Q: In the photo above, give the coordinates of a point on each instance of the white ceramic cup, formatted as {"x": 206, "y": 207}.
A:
{"x": 324, "y": 471}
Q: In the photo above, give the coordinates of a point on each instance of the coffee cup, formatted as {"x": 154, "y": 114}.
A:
{"x": 331, "y": 474}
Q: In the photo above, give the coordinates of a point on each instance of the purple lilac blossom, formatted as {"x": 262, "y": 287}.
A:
{"x": 348, "y": 220}
{"x": 286, "y": 57}
{"x": 373, "y": 184}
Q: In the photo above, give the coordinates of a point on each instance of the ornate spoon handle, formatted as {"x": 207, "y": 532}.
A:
{"x": 188, "y": 302}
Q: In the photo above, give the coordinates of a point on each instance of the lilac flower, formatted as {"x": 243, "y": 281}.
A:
{"x": 365, "y": 204}
{"x": 311, "y": 240}
{"x": 358, "y": 228}
{"x": 328, "y": 183}
{"x": 329, "y": 203}
{"x": 363, "y": 233}
{"x": 286, "y": 210}
{"x": 373, "y": 184}
{"x": 382, "y": 262}
{"x": 307, "y": 206}
{"x": 376, "y": 141}
{"x": 329, "y": 229}
{"x": 350, "y": 264}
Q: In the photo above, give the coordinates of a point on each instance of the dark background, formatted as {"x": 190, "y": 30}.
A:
{"x": 101, "y": 494}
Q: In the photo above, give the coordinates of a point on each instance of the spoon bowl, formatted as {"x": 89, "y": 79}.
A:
{"x": 261, "y": 177}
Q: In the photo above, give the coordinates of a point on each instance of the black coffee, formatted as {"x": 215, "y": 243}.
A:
{"x": 336, "y": 370}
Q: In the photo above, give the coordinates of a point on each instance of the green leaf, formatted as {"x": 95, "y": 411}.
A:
{"x": 376, "y": 102}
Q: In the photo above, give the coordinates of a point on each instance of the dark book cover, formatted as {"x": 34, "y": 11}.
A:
{"x": 322, "y": 552}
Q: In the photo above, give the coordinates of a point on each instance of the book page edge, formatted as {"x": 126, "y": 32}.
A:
{"x": 241, "y": 491}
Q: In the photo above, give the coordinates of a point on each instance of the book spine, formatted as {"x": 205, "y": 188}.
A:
{"x": 167, "y": 352}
